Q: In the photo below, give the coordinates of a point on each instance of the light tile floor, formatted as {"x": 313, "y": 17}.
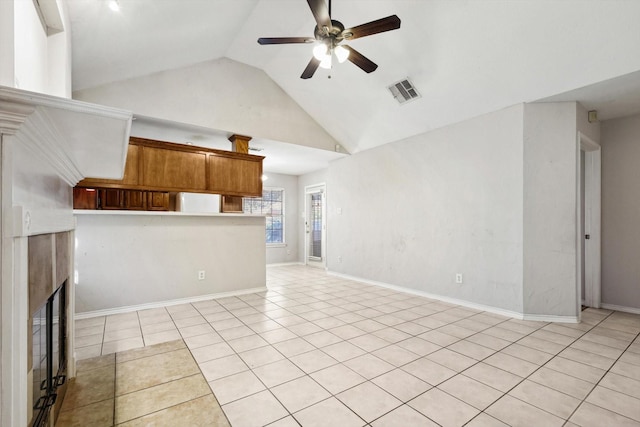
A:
{"x": 321, "y": 350}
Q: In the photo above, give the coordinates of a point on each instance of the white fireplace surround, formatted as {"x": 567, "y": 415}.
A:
{"x": 63, "y": 141}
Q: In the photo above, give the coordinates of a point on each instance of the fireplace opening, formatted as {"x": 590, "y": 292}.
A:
{"x": 49, "y": 354}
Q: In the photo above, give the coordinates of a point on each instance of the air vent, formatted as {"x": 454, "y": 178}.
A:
{"x": 403, "y": 91}
{"x": 256, "y": 149}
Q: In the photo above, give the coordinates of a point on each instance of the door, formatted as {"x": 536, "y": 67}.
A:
{"x": 589, "y": 187}
{"x": 315, "y": 226}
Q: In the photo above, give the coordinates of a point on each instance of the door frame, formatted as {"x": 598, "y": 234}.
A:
{"x": 592, "y": 225}
{"x": 310, "y": 189}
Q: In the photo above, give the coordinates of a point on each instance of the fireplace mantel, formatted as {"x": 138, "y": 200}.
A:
{"x": 77, "y": 138}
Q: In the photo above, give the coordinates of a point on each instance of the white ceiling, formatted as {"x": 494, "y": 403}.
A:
{"x": 465, "y": 57}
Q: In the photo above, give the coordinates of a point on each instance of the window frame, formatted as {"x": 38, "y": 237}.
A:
{"x": 282, "y": 215}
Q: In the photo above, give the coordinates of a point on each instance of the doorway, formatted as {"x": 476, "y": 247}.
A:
{"x": 315, "y": 226}
{"x": 588, "y": 213}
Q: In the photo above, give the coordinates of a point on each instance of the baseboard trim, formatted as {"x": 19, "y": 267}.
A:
{"x": 159, "y": 304}
{"x": 624, "y": 309}
{"x": 284, "y": 264}
{"x": 463, "y": 303}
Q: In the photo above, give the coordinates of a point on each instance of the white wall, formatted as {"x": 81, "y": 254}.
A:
{"x": 418, "y": 211}
{"x": 288, "y": 252}
{"x": 30, "y": 59}
{"x": 550, "y": 180}
{"x": 221, "y": 94}
{"x": 127, "y": 259}
{"x": 620, "y": 212}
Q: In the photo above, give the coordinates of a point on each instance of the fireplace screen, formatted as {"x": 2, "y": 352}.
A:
{"x": 49, "y": 354}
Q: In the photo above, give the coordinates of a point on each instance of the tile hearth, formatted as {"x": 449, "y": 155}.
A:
{"x": 321, "y": 350}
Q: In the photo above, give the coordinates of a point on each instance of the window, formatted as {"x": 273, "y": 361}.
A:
{"x": 271, "y": 205}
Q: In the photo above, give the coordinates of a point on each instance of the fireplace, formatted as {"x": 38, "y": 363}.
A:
{"x": 49, "y": 256}
{"x": 49, "y": 354}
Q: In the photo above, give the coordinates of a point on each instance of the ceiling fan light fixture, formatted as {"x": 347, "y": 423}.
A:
{"x": 341, "y": 53}
{"x": 326, "y": 62}
{"x": 320, "y": 51}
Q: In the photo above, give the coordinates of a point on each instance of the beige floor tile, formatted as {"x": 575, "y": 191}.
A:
{"x": 493, "y": 377}
{"x": 541, "y": 345}
{"x": 502, "y": 333}
{"x": 369, "y": 366}
{"x": 91, "y": 330}
{"x": 95, "y": 363}
{"x": 588, "y": 415}
{"x": 597, "y": 338}
{"x": 419, "y": 346}
{"x": 598, "y": 348}
{"x": 337, "y": 378}
{"x": 452, "y": 360}
{"x": 626, "y": 369}
{"x": 401, "y": 384}
{"x": 576, "y": 369}
{"x": 122, "y": 345}
{"x": 411, "y": 328}
{"x": 249, "y": 342}
{"x": 471, "y": 349}
{"x": 115, "y": 325}
{"x": 88, "y": 340}
{"x": 154, "y": 328}
{"x": 369, "y": 342}
{"x": 470, "y": 391}
{"x": 517, "y": 413}
{"x": 587, "y": 358}
{"x": 391, "y": 335}
{"x": 531, "y": 355}
{"x": 313, "y": 361}
{"x": 614, "y": 401}
{"x": 90, "y": 322}
{"x": 305, "y": 328}
{"x": 149, "y": 400}
{"x": 439, "y": 338}
{"x": 329, "y": 412}
{"x": 256, "y": 410}
{"x": 236, "y": 387}
{"x": 429, "y": 371}
{"x": 403, "y": 416}
{"x": 545, "y": 398}
{"x": 236, "y": 332}
{"x": 293, "y": 347}
{"x": 511, "y": 364}
{"x": 395, "y": 355}
{"x": 621, "y": 384}
{"x": 322, "y": 339}
{"x": 630, "y": 357}
{"x": 277, "y": 373}
{"x": 328, "y": 322}
{"x": 442, "y": 408}
{"x": 190, "y": 321}
{"x": 88, "y": 352}
{"x": 139, "y": 353}
{"x": 157, "y": 318}
{"x": 222, "y": 367}
{"x": 564, "y": 330}
{"x": 484, "y": 420}
{"x": 192, "y": 331}
{"x": 299, "y": 393}
{"x": 161, "y": 337}
{"x": 553, "y": 337}
{"x": 200, "y": 412}
{"x": 120, "y": 334}
{"x": 98, "y": 414}
{"x": 203, "y": 340}
{"x": 261, "y": 356}
{"x": 278, "y": 335}
{"x": 368, "y": 401}
{"x": 562, "y": 382}
{"x": 154, "y": 370}
{"x": 91, "y": 386}
{"x": 343, "y": 351}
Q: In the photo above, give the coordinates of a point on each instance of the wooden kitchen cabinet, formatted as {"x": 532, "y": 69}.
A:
{"x": 164, "y": 166}
{"x": 118, "y": 199}
{"x": 110, "y": 198}
{"x": 85, "y": 198}
{"x": 157, "y": 201}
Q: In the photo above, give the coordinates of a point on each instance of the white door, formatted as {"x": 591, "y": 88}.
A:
{"x": 589, "y": 221}
{"x": 315, "y": 226}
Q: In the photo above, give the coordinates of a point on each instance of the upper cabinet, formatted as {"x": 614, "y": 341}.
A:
{"x": 163, "y": 166}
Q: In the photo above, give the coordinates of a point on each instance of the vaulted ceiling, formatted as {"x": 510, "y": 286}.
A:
{"x": 465, "y": 57}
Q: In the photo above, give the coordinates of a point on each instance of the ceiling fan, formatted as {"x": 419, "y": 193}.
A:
{"x": 329, "y": 34}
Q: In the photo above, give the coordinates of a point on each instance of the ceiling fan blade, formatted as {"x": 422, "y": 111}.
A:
{"x": 360, "y": 60}
{"x": 311, "y": 68}
{"x": 374, "y": 27}
{"x": 284, "y": 40}
{"x": 320, "y": 13}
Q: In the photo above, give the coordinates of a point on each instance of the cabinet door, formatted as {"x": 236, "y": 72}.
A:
{"x": 157, "y": 201}
{"x": 235, "y": 176}
{"x": 85, "y": 198}
{"x": 111, "y": 198}
{"x": 135, "y": 200}
{"x": 174, "y": 170}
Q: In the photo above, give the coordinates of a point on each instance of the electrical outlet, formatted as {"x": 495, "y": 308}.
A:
{"x": 458, "y": 277}
{"x": 201, "y": 275}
